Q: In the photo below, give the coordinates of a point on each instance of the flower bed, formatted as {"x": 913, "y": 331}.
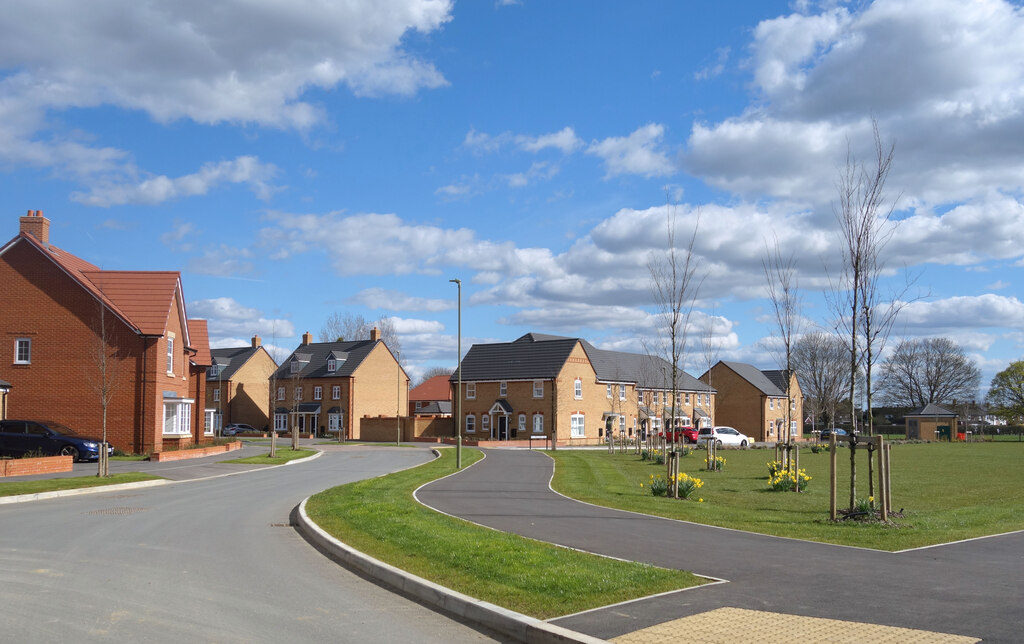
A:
{"x": 36, "y": 465}
{"x": 197, "y": 452}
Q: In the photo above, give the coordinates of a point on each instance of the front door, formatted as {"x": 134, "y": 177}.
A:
{"x": 502, "y": 428}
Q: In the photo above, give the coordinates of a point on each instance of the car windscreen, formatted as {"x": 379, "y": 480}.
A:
{"x": 59, "y": 428}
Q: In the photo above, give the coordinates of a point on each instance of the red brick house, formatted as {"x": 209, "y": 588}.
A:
{"x": 60, "y": 311}
{"x": 432, "y": 397}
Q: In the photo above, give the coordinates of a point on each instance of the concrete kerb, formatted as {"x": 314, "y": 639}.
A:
{"x": 96, "y": 489}
{"x": 516, "y": 625}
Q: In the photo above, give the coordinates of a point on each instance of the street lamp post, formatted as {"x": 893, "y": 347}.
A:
{"x": 458, "y": 392}
{"x": 398, "y": 395}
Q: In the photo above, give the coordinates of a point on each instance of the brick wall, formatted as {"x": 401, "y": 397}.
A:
{"x": 43, "y": 465}
{"x": 378, "y": 387}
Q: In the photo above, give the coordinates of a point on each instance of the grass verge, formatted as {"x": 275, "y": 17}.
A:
{"x": 948, "y": 492}
{"x": 284, "y": 454}
{"x": 13, "y": 488}
{"x": 380, "y": 518}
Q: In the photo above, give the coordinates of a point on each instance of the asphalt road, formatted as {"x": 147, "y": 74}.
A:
{"x": 202, "y": 561}
{"x": 973, "y": 588}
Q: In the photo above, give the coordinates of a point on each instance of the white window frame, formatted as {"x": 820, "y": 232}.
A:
{"x": 538, "y": 388}
{"x": 336, "y": 392}
{"x": 19, "y": 343}
{"x": 503, "y": 389}
{"x": 280, "y": 422}
{"x": 538, "y": 423}
{"x": 170, "y": 355}
{"x": 657, "y": 398}
{"x": 470, "y": 424}
{"x": 297, "y": 392}
{"x": 679, "y": 399}
{"x": 209, "y": 421}
{"x": 608, "y": 391}
{"x": 792, "y": 428}
{"x": 295, "y": 366}
{"x": 577, "y": 426}
{"x": 707, "y": 399}
{"x": 577, "y": 389}
{"x": 687, "y": 398}
{"x": 771, "y": 404}
{"x": 332, "y": 365}
{"x": 470, "y": 391}
{"x": 622, "y": 424}
{"x": 216, "y": 395}
{"x": 318, "y": 392}
{"x": 177, "y": 417}
{"x": 792, "y": 404}
{"x": 485, "y": 423}
{"x": 280, "y": 393}
{"x": 622, "y": 392}
{"x": 333, "y": 422}
{"x": 522, "y": 423}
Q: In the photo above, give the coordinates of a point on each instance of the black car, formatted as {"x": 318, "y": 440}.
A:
{"x": 827, "y": 433}
{"x": 47, "y": 438}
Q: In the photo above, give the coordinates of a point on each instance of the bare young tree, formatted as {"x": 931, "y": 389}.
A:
{"x": 674, "y": 287}
{"x": 934, "y": 370}
{"x": 865, "y": 227}
{"x": 105, "y": 380}
{"x": 433, "y": 372}
{"x": 356, "y": 327}
{"x": 784, "y": 294}
{"x": 820, "y": 363}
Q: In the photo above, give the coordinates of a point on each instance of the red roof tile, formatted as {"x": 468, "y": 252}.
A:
{"x": 200, "y": 339}
{"x": 436, "y": 388}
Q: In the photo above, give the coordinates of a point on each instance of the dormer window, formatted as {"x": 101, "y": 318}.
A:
{"x": 296, "y": 366}
{"x": 214, "y": 371}
{"x": 332, "y": 365}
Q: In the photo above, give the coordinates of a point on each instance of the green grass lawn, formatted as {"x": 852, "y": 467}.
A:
{"x": 947, "y": 491}
{"x": 380, "y": 517}
{"x": 284, "y": 454}
{"x": 49, "y": 485}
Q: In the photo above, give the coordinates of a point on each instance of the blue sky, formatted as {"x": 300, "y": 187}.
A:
{"x": 295, "y": 159}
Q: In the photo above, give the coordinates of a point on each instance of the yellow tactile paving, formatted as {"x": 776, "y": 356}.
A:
{"x": 739, "y": 625}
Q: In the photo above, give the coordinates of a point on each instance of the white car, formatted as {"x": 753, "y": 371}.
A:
{"x": 723, "y": 436}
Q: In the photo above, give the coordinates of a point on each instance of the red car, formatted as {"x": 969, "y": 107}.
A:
{"x": 682, "y": 435}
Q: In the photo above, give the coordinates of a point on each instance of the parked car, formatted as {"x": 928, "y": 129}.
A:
{"x": 20, "y": 437}
{"x": 237, "y": 428}
{"x": 681, "y": 435}
{"x": 828, "y": 431}
{"x": 723, "y": 435}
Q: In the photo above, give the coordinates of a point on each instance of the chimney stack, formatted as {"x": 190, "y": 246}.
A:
{"x": 374, "y": 334}
{"x": 256, "y": 341}
{"x": 35, "y": 224}
{"x": 307, "y": 338}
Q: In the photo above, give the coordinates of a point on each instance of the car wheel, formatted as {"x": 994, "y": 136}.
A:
{"x": 69, "y": 450}
{"x": 743, "y": 443}
{"x": 718, "y": 443}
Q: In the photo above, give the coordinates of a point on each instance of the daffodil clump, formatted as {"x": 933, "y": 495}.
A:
{"x": 774, "y": 467}
{"x": 688, "y": 485}
{"x": 660, "y": 486}
{"x": 787, "y": 480}
{"x": 719, "y": 463}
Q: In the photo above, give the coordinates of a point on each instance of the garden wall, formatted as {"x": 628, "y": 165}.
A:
{"x": 38, "y": 465}
{"x": 183, "y": 454}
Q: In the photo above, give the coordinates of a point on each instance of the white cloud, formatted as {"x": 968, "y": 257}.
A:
{"x": 192, "y": 61}
{"x": 379, "y": 298}
{"x": 115, "y": 191}
{"x": 715, "y": 68}
{"x": 539, "y": 170}
{"x": 227, "y": 318}
{"x": 637, "y": 153}
{"x": 565, "y": 140}
{"x": 413, "y": 326}
{"x": 977, "y": 311}
{"x": 997, "y": 285}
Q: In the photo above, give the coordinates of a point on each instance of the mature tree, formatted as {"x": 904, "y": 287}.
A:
{"x": 356, "y": 327}
{"x": 784, "y": 294}
{"x": 433, "y": 372}
{"x": 934, "y": 370}
{"x": 1007, "y": 391}
{"x": 674, "y": 287}
{"x": 819, "y": 360}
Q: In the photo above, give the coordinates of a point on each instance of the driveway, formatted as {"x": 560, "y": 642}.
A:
{"x": 973, "y": 588}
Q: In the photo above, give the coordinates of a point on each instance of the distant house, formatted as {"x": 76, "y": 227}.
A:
{"x": 567, "y": 389}
{"x": 755, "y": 402}
{"x": 932, "y": 422}
{"x": 60, "y": 311}
{"x": 332, "y": 386}
{"x": 238, "y": 385}
{"x": 431, "y": 398}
